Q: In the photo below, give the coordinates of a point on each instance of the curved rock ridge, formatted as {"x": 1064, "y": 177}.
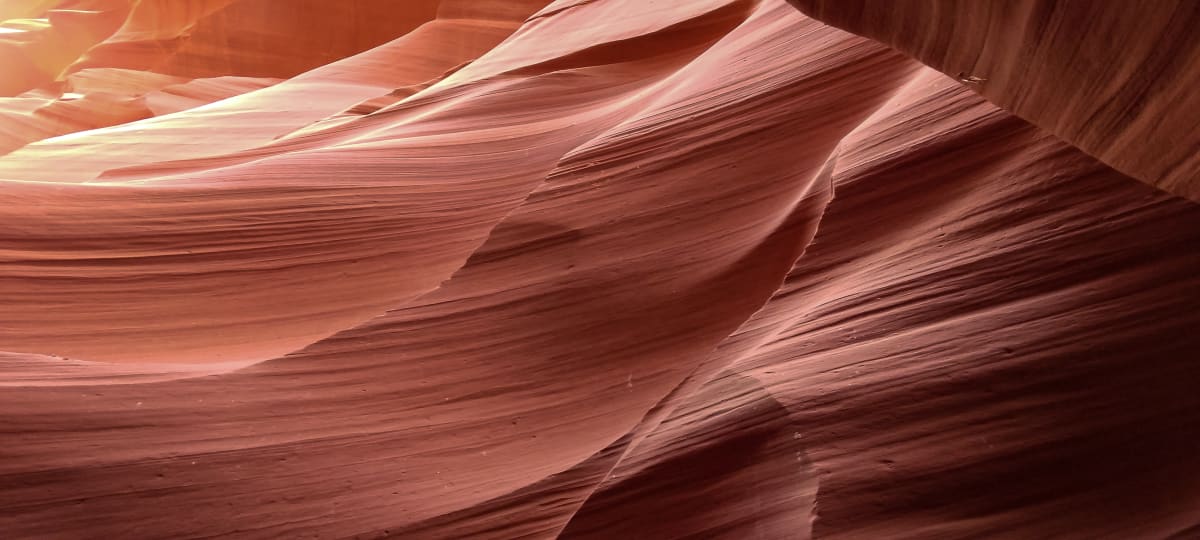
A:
{"x": 576, "y": 269}
{"x": 1116, "y": 79}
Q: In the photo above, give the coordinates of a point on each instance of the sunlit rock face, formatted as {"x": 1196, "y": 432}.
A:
{"x": 595, "y": 269}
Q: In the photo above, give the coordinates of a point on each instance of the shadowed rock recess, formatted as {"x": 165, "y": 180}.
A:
{"x": 591, "y": 269}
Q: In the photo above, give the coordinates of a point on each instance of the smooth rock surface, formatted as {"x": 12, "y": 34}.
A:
{"x": 581, "y": 269}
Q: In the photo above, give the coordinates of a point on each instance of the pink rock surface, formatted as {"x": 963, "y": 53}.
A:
{"x": 581, "y": 269}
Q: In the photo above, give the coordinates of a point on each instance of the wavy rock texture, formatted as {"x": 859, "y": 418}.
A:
{"x": 1109, "y": 77}
{"x": 586, "y": 269}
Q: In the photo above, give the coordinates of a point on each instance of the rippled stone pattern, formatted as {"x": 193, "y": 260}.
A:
{"x": 590, "y": 269}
